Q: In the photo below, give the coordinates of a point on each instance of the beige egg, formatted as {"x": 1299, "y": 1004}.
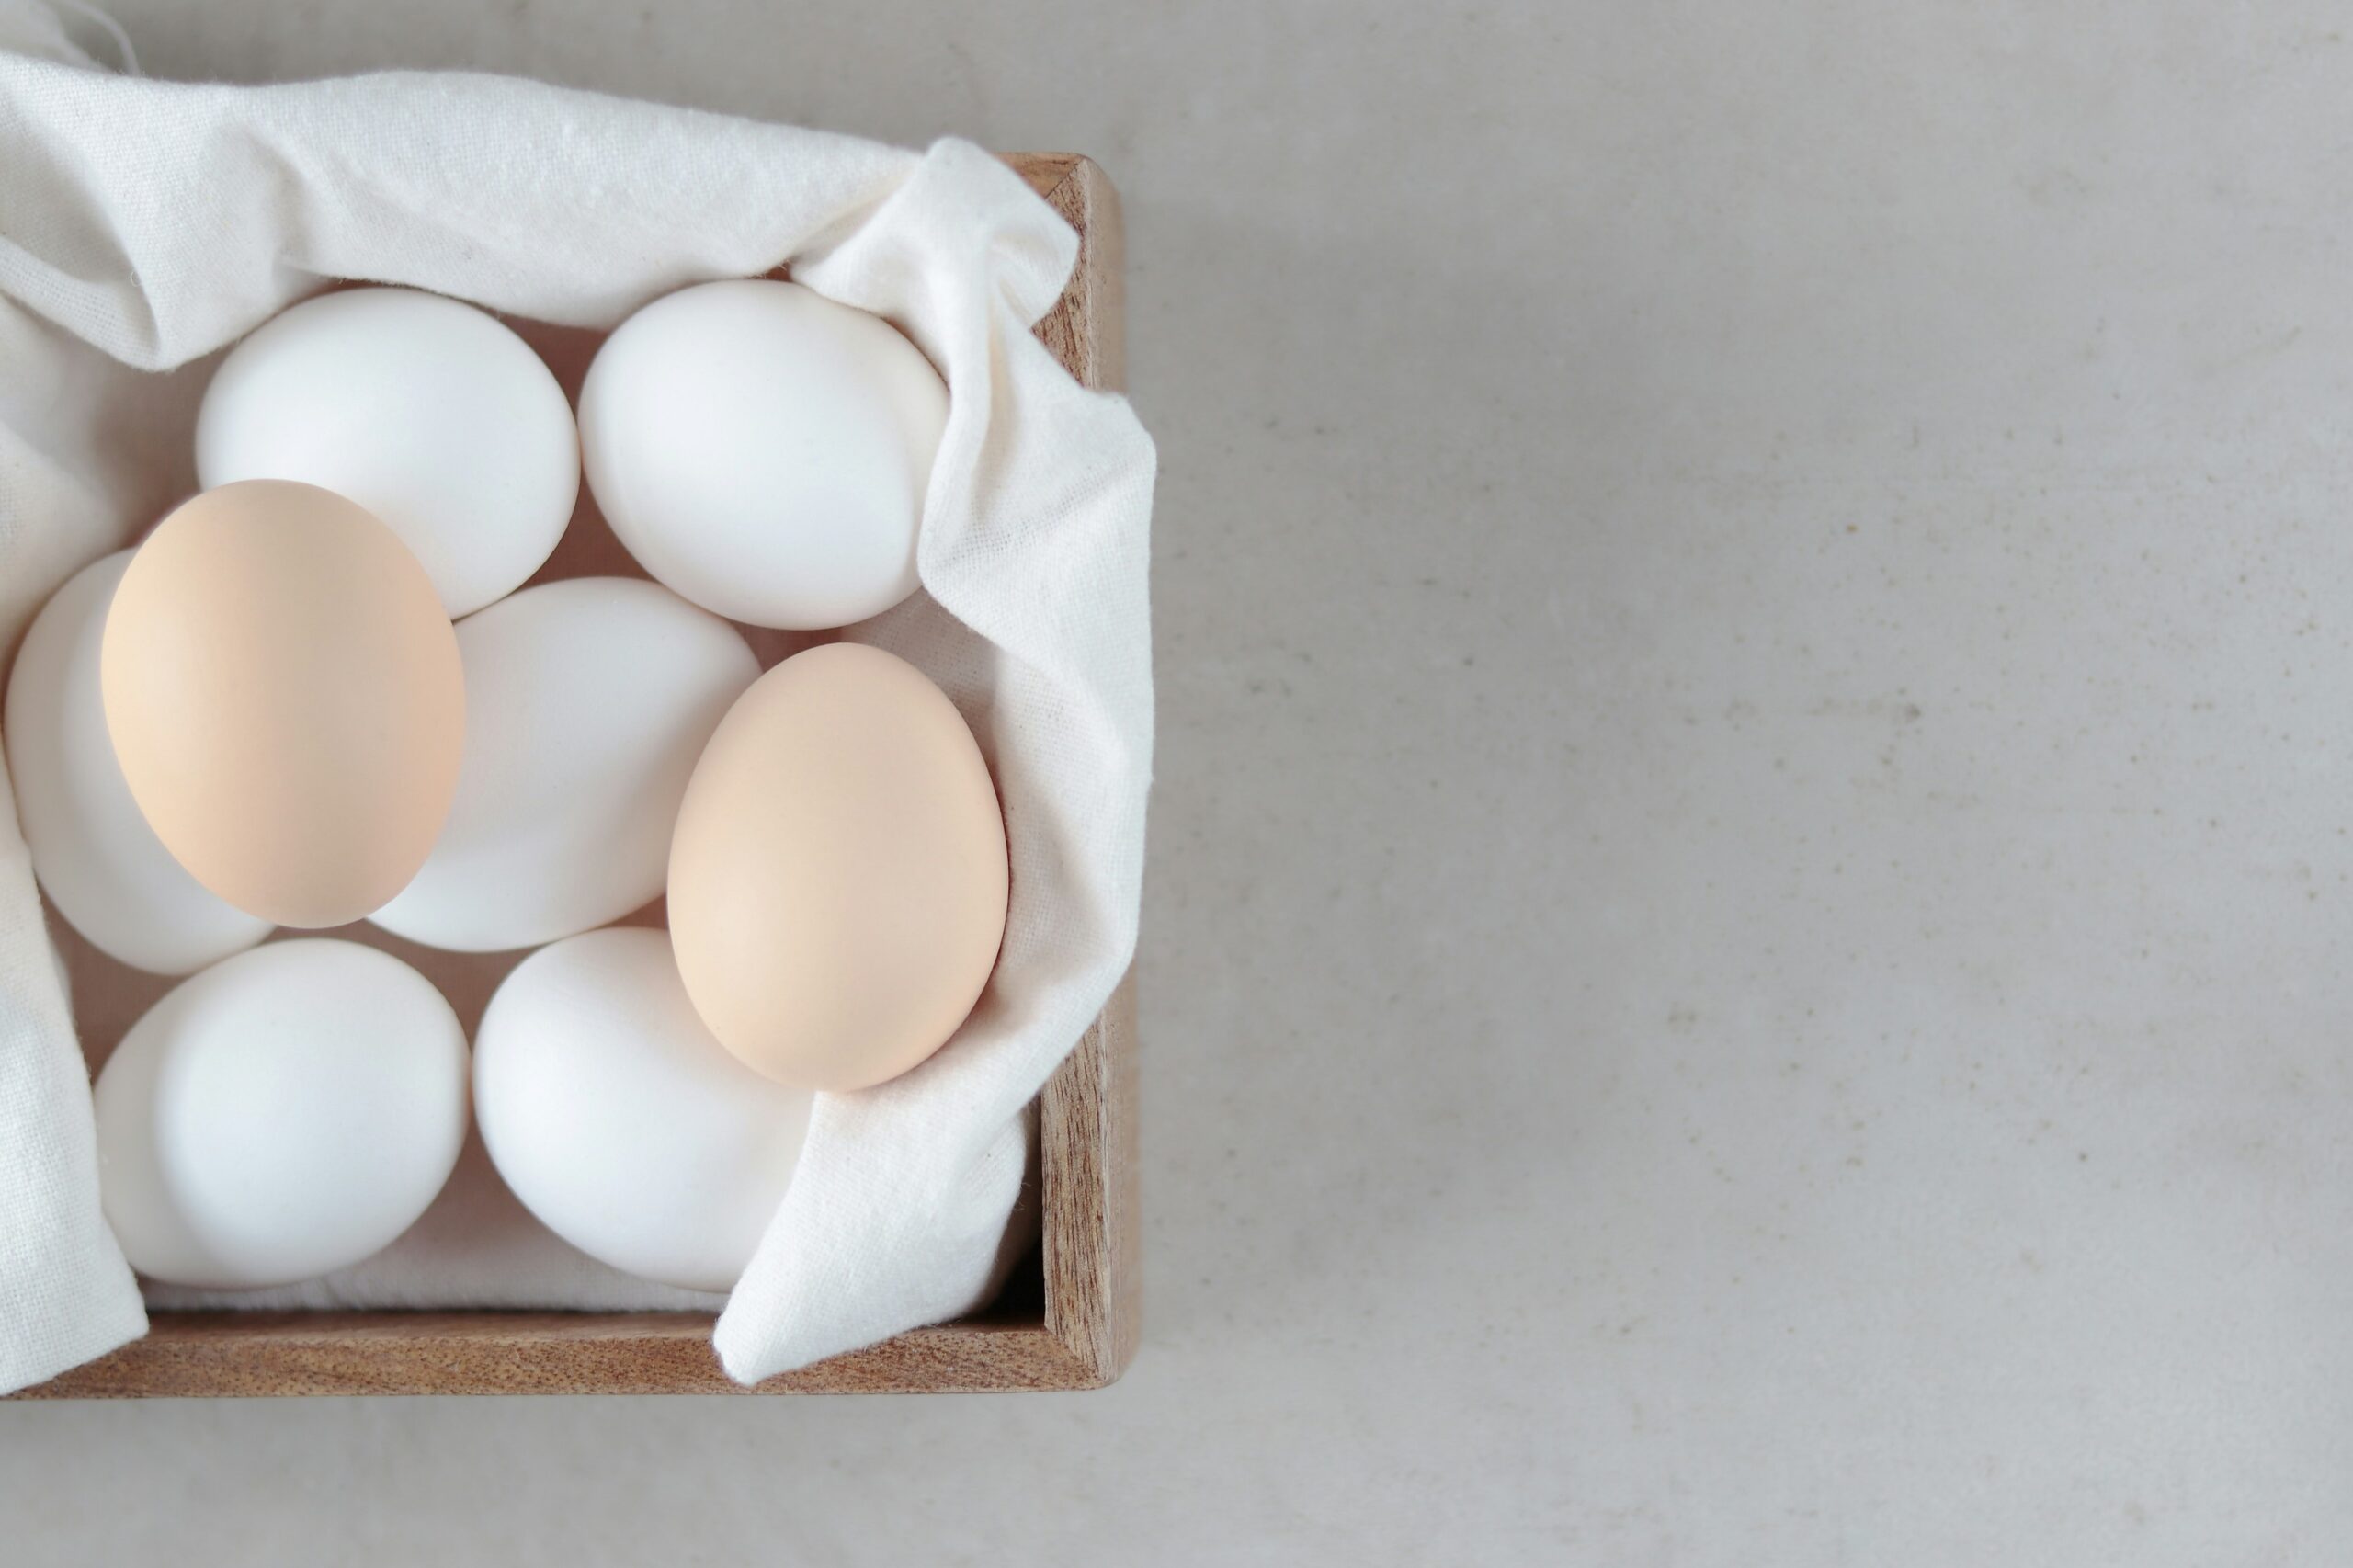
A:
{"x": 283, "y": 692}
{"x": 838, "y": 875}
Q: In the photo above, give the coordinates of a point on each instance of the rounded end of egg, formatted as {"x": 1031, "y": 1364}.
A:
{"x": 284, "y": 696}
{"x": 616, "y": 1119}
{"x": 765, "y": 451}
{"x": 838, "y": 876}
{"x": 280, "y": 1115}
{"x": 430, "y": 413}
{"x": 94, "y": 853}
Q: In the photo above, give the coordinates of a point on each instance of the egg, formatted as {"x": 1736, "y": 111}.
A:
{"x": 618, "y": 1120}
{"x": 284, "y": 697}
{"x": 838, "y": 876}
{"x": 587, "y": 702}
{"x": 430, "y": 413}
{"x": 282, "y": 1114}
{"x": 765, "y": 451}
{"x": 100, "y": 863}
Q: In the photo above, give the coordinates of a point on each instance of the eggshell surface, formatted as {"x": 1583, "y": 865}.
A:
{"x": 838, "y": 876}
{"x": 285, "y": 1113}
{"x": 765, "y": 450}
{"x": 92, "y": 852}
{"x": 429, "y": 413}
{"x": 284, "y": 697}
{"x": 587, "y": 702}
{"x": 620, "y": 1123}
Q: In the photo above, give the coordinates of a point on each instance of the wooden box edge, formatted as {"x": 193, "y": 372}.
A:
{"x": 1087, "y": 1131}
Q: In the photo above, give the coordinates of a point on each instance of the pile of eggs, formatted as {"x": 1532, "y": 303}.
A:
{"x": 319, "y": 693}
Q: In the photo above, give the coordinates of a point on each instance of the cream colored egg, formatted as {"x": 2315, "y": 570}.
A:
{"x": 838, "y": 876}
{"x": 285, "y": 699}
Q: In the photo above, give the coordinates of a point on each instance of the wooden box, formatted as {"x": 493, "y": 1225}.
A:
{"x": 1066, "y": 1320}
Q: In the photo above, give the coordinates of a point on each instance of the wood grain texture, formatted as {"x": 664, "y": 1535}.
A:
{"x": 1078, "y": 1330}
{"x": 1087, "y": 328}
{"x": 1090, "y": 1219}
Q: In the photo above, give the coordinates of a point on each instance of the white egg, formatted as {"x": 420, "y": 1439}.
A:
{"x": 587, "y": 702}
{"x": 429, "y": 412}
{"x": 285, "y": 1113}
{"x": 765, "y": 450}
{"x": 620, "y": 1123}
{"x": 92, "y": 850}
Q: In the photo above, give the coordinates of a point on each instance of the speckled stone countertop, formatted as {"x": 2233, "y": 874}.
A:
{"x": 1746, "y": 959}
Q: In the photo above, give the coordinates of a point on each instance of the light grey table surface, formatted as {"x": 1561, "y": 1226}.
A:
{"x": 1745, "y": 952}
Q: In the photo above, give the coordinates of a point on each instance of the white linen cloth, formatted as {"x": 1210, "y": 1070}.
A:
{"x": 146, "y": 224}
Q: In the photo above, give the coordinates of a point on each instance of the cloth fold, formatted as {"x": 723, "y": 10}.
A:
{"x": 146, "y": 224}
